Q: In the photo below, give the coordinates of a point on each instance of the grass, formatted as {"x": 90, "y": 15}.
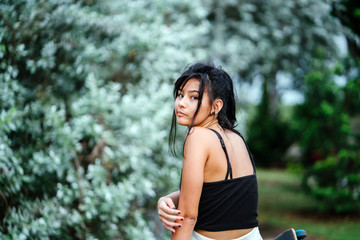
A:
{"x": 282, "y": 204}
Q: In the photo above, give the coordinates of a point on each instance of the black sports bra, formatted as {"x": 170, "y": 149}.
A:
{"x": 231, "y": 203}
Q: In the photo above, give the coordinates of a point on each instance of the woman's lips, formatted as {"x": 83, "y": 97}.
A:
{"x": 180, "y": 114}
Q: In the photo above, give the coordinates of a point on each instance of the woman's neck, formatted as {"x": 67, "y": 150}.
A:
{"x": 213, "y": 123}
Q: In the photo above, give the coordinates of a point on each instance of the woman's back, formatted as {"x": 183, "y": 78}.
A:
{"x": 228, "y": 203}
{"x": 216, "y": 165}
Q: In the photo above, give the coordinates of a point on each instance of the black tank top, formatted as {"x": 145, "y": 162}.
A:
{"x": 231, "y": 203}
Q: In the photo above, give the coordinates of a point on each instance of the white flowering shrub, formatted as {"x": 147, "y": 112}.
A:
{"x": 86, "y": 102}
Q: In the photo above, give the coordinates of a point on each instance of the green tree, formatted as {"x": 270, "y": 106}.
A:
{"x": 322, "y": 125}
{"x": 328, "y": 140}
{"x": 331, "y": 141}
{"x": 269, "y": 135}
{"x": 264, "y": 38}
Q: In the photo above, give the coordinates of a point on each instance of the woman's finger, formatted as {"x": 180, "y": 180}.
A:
{"x": 170, "y": 217}
{"x": 168, "y": 211}
{"x": 169, "y": 202}
{"x": 169, "y": 228}
{"x": 168, "y": 207}
{"x": 169, "y": 223}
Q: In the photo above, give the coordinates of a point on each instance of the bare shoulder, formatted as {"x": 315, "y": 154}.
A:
{"x": 200, "y": 138}
{"x": 200, "y": 133}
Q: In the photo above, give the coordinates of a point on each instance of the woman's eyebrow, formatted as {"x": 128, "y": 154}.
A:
{"x": 196, "y": 91}
{"x": 182, "y": 90}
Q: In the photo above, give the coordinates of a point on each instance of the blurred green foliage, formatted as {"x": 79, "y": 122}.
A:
{"x": 335, "y": 182}
{"x": 328, "y": 124}
{"x": 279, "y": 39}
{"x": 324, "y": 128}
{"x": 321, "y": 124}
{"x": 270, "y": 135}
{"x": 282, "y": 203}
{"x": 329, "y": 141}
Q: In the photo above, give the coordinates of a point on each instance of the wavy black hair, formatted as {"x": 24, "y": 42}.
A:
{"x": 218, "y": 84}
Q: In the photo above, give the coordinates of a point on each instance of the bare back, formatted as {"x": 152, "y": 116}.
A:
{"x": 216, "y": 164}
{"x": 216, "y": 168}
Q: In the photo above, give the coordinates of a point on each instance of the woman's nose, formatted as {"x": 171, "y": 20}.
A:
{"x": 182, "y": 102}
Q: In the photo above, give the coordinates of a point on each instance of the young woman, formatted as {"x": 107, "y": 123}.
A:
{"x": 218, "y": 194}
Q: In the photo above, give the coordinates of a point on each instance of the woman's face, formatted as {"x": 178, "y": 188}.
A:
{"x": 186, "y": 103}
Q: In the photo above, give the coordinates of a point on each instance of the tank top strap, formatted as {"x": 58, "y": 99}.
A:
{"x": 229, "y": 170}
{"x": 247, "y": 148}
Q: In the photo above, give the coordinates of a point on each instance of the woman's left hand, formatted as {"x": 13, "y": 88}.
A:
{"x": 168, "y": 213}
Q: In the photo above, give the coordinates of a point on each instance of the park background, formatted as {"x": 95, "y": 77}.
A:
{"x": 86, "y": 103}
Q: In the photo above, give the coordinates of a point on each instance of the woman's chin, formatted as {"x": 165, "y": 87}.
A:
{"x": 183, "y": 123}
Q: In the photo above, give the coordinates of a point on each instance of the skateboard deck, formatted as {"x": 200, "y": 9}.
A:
{"x": 291, "y": 234}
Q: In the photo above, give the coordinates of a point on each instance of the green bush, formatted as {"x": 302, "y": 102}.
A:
{"x": 335, "y": 182}
{"x": 329, "y": 140}
{"x": 322, "y": 125}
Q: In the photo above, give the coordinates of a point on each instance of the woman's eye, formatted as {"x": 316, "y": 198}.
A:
{"x": 194, "y": 98}
{"x": 180, "y": 95}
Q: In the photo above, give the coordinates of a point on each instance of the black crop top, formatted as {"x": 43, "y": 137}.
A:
{"x": 231, "y": 203}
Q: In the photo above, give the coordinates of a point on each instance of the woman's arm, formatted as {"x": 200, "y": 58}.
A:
{"x": 195, "y": 155}
{"x": 167, "y": 210}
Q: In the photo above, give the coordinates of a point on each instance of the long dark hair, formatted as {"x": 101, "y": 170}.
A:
{"x": 218, "y": 84}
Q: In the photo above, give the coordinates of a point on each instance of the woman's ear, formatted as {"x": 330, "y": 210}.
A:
{"x": 218, "y": 104}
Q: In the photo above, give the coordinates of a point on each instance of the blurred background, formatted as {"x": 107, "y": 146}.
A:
{"x": 86, "y": 105}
